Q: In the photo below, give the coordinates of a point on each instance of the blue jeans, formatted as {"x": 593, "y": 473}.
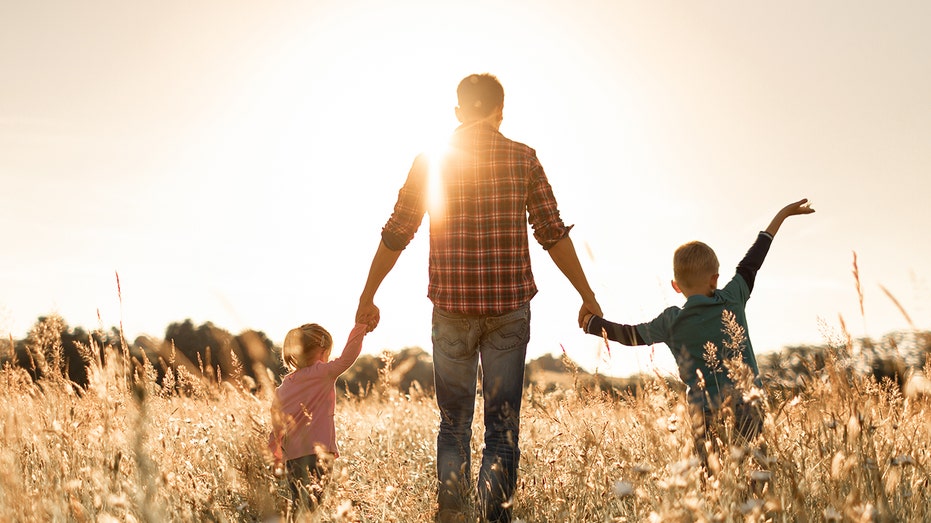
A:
{"x": 459, "y": 343}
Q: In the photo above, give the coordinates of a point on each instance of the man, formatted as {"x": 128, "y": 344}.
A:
{"x": 480, "y": 195}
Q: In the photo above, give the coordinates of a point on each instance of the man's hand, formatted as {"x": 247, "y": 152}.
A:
{"x": 368, "y": 314}
{"x": 564, "y": 256}
{"x": 589, "y": 307}
{"x": 382, "y": 263}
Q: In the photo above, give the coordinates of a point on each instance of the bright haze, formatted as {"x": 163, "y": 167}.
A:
{"x": 234, "y": 161}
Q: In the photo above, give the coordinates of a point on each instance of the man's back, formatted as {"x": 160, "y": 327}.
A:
{"x": 489, "y": 188}
{"x": 479, "y": 252}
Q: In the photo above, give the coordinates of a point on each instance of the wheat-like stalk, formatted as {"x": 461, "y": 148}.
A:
{"x": 841, "y": 445}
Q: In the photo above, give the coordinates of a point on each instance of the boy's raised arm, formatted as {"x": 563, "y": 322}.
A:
{"x": 800, "y": 207}
{"x": 753, "y": 260}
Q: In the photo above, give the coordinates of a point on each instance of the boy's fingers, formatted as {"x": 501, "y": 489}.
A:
{"x": 802, "y": 206}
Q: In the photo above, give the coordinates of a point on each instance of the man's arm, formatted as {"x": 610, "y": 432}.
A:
{"x": 382, "y": 264}
{"x": 395, "y": 236}
{"x": 564, "y": 256}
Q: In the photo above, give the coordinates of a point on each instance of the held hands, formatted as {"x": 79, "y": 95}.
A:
{"x": 368, "y": 314}
{"x": 589, "y": 307}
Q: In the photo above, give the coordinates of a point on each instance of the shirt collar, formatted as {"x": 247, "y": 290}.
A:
{"x": 476, "y": 127}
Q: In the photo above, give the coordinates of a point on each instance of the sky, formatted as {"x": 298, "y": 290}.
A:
{"x": 234, "y": 161}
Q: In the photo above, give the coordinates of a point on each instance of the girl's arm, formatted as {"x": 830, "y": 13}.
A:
{"x": 350, "y": 352}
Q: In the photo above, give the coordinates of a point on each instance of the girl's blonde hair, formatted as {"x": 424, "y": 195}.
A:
{"x": 303, "y": 346}
{"x": 694, "y": 262}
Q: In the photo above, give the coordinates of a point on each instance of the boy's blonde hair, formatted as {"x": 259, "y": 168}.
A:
{"x": 303, "y": 346}
{"x": 693, "y": 263}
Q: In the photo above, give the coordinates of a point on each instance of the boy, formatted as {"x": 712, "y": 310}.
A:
{"x": 708, "y": 336}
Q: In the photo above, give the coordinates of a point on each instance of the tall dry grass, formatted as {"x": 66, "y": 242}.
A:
{"x": 842, "y": 447}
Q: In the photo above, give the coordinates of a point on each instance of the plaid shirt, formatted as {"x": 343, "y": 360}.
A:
{"x": 485, "y": 190}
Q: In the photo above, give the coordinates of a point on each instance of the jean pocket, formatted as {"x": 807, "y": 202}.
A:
{"x": 450, "y": 336}
{"x": 509, "y": 331}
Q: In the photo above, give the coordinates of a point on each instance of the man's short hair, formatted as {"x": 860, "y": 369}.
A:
{"x": 480, "y": 94}
{"x": 694, "y": 262}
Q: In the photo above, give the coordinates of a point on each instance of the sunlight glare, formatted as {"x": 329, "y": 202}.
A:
{"x": 436, "y": 204}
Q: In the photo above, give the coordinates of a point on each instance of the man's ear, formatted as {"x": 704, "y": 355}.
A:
{"x": 675, "y": 286}
{"x": 459, "y": 114}
{"x": 714, "y": 281}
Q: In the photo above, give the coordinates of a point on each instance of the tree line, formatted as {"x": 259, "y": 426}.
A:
{"x": 250, "y": 360}
{"x": 52, "y": 347}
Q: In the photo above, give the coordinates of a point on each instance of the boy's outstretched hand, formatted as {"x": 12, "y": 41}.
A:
{"x": 802, "y": 206}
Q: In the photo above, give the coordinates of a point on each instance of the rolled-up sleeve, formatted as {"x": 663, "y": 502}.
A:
{"x": 409, "y": 209}
{"x": 543, "y": 212}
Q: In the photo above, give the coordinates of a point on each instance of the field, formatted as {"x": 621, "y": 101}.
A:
{"x": 842, "y": 446}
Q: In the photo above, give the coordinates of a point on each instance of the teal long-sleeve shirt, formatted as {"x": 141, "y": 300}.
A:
{"x": 687, "y": 329}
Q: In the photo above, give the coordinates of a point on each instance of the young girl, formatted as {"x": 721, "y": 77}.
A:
{"x": 303, "y": 434}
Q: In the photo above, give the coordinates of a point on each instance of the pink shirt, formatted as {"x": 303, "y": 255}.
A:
{"x": 302, "y": 416}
